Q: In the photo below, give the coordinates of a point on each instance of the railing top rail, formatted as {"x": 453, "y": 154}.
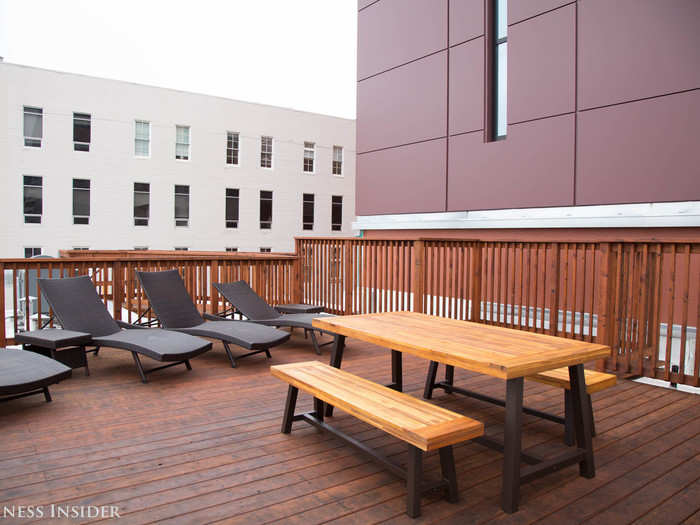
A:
{"x": 184, "y": 258}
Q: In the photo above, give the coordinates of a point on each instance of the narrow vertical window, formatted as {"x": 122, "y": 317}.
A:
{"x": 182, "y": 142}
{"x": 182, "y": 205}
{"x": 337, "y": 160}
{"x": 231, "y": 208}
{"x": 142, "y": 138}
{"x": 309, "y": 154}
{"x": 33, "y": 126}
{"x": 265, "y": 210}
{"x": 81, "y": 201}
{"x": 308, "y": 211}
{"x": 232, "y": 148}
{"x": 337, "y": 213}
{"x": 31, "y": 252}
{"x": 81, "y": 131}
{"x": 142, "y": 203}
{"x": 266, "y": 152}
{"x": 499, "y": 68}
{"x": 33, "y": 199}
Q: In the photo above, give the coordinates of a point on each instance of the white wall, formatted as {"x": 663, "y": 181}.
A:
{"x": 112, "y": 167}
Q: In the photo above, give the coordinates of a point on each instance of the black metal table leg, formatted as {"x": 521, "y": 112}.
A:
{"x": 582, "y": 420}
{"x": 318, "y": 409}
{"x": 414, "y": 480}
{"x": 336, "y": 362}
{"x": 396, "y": 370}
{"x": 568, "y": 418}
{"x": 430, "y": 380}
{"x": 449, "y": 377}
{"x": 449, "y": 473}
{"x": 510, "y": 495}
{"x": 289, "y": 407}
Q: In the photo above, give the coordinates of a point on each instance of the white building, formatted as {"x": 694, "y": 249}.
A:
{"x": 102, "y": 164}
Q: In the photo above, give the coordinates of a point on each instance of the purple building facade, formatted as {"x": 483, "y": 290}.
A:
{"x": 603, "y": 113}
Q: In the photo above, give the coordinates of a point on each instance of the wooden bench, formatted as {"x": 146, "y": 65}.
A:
{"x": 559, "y": 377}
{"x": 423, "y": 426}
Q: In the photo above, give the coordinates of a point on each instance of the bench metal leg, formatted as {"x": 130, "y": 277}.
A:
{"x": 510, "y": 495}
{"x": 582, "y": 420}
{"x": 568, "y": 418}
{"x": 336, "y": 362}
{"x": 319, "y": 408}
{"x": 449, "y": 473}
{"x": 590, "y": 408}
{"x": 47, "y": 394}
{"x": 430, "y": 380}
{"x": 414, "y": 480}
{"x": 289, "y": 407}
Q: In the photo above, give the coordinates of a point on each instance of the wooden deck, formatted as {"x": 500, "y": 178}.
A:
{"x": 204, "y": 446}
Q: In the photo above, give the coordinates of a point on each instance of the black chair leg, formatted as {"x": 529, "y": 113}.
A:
{"x": 187, "y": 364}
{"x": 314, "y": 341}
{"x": 139, "y": 367}
{"x": 289, "y": 407}
{"x": 449, "y": 473}
{"x": 268, "y": 354}
{"x": 231, "y": 359}
{"x": 430, "y": 380}
{"x": 414, "y": 481}
{"x": 47, "y": 394}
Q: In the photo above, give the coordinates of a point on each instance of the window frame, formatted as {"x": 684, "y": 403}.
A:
{"x": 81, "y": 220}
{"x": 310, "y": 147}
{"x": 498, "y": 77}
{"x": 33, "y": 248}
{"x": 136, "y": 139}
{"x": 341, "y": 162}
{"x": 25, "y": 138}
{"x": 189, "y": 142}
{"x": 234, "y": 151}
{"x": 83, "y": 147}
{"x": 271, "y": 152}
{"x": 266, "y": 225}
{"x": 232, "y": 223}
{"x": 136, "y": 218}
{"x": 25, "y": 215}
{"x": 336, "y": 227}
{"x": 304, "y": 202}
{"x": 231, "y": 249}
{"x": 181, "y": 222}
{"x": 266, "y": 249}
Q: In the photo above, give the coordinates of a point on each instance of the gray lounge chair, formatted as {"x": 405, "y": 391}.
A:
{"x": 257, "y": 310}
{"x": 77, "y": 307}
{"x": 24, "y": 373}
{"x": 175, "y": 310}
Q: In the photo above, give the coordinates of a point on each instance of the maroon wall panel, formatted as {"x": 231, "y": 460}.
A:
{"x": 467, "y": 86}
{"x": 466, "y": 20}
{"x": 393, "y": 32}
{"x": 631, "y": 49}
{"x": 645, "y": 151}
{"x": 404, "y": 105}
{"x": 408, "y": 179}
{"x": 521, "y": 9}
{"x": 542, "y": 66}
{"x": 534, "y": 166}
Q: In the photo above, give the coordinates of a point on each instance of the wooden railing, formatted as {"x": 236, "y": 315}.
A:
{"x": 272, "y": 276}
{"x": 642, "y": 299}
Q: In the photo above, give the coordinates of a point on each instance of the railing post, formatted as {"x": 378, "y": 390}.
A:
{"x": 348, "y": 287}
{"x": 475, "y": 302}
{"x": 297, "y": 274}
{"x": 213, "y": 277}
{"x": 418, "y": 275}
{"x": 117, "y": 289}
{"x": 603, "y": 300}
{"x": 3, "y": 335}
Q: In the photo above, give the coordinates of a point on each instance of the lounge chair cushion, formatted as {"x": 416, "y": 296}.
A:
{"x": 244, "y": 298}
{"x": 161, "y": 345}
{"x": 169, "y": 299}
{"x": 242, "y": 333}
{"x": 294, "y": 320}
{"x": 23, "y": 371}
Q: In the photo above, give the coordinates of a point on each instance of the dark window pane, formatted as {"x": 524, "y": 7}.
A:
{"x": 81, "y": 202}
{"x": 140, "y": 222}
{"x": 182, "y": 189}
{"x": 182, "y": 207}
{"x": 32, "y": 219}
{"x": 81, "y": 127}
{"x": 337, "y": 213}
{"x": 32, "y": 201}
{"x": 81, "y": 220}
{"x": 32, "y": 181}
{"x": 141, "y": 205}
{"x": 81, "y": 183}
{"x": 142, "y": 186}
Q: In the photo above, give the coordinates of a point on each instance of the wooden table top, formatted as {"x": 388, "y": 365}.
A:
{"x": 487, "y": 349}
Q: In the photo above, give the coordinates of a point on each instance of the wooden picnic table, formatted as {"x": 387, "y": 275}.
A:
{"x": 500, "y": 352}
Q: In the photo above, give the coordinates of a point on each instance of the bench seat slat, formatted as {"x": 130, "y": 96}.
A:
{"x": 422, "y": 424}
{"x": 559, "y": 377}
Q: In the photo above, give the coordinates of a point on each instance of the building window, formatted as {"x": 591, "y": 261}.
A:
{"x": 31, "y": 252}
{"x": 142, "y": 203}
{"x": 308, "y": 211}
{"x": 337, "y": 213}
{"x": 232, "y": 148}
{"x": 232, "y": 249}
{"x": 142, "y": 138}
{"x": 81, "y": 248}
{"x": 33, "y": 201}
{"x": 33, "y": 126}
{"x": 309, "y": 154}
{"x": 182, "y": 142}
{"x": 140, "y": 248}
{"x": 81, "y": 201}
{"x": 337, "y": 160}
{"x": 81, "y": 131}
{"x": 265, "y": 210}
{"x": 266, "y": 152}
{"x": 231, "y": 208}
{"x": 181, "y": 248}
{"x": 265, "y": 250}
{"x": 182, "y": 205}
{"x": 499, "y": 68}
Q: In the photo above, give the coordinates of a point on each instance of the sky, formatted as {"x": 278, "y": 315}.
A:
{"x": 292, "y": 53}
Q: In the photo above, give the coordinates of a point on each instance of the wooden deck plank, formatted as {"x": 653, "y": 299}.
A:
{"x": 205, "y": 446}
